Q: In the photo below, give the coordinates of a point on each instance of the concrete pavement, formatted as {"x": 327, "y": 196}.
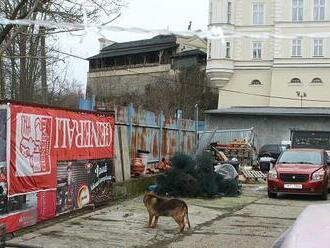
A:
{"x": 251, "y": 220}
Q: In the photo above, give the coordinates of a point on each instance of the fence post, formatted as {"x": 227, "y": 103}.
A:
{"x": 130, "y": 126}
{"x": 178, "y": 127}
{"x": 160, "y": 135}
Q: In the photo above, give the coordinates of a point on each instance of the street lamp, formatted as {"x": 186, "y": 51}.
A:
{"x": 301, "y": 95}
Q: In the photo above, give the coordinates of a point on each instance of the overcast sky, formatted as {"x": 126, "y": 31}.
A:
{"x": 149, "y": 14}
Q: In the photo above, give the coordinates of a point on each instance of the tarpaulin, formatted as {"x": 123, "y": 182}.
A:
{"x": 42, "y": 136}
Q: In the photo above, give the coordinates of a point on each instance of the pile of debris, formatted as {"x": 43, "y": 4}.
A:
{"x": 239, "y": 149}
{"x": 241, "y": 155}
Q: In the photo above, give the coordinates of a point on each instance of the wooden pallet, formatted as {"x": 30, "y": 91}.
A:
{"x": 252, "y": 174}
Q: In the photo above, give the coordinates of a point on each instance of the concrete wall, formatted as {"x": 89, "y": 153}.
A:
{"x": 269, "y": 129}
{"x": 119, "y": 82}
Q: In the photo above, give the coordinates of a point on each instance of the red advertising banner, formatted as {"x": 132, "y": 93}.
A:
{"x": 42, "y": 136}
{"x": 19, "y": 220}
{"x": 46, "y": 205}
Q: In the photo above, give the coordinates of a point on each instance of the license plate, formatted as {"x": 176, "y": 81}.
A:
{"x": 292, "y": 186}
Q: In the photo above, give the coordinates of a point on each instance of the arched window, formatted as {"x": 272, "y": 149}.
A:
{"x": 295, "y": 81}
{"x": 317, "y": 81}
{"x": 256, "y": 82}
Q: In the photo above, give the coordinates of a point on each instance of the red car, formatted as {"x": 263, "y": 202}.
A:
{"x": 300, "y": 171}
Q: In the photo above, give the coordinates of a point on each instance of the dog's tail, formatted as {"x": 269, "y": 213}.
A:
{"x": 187, "y": 216}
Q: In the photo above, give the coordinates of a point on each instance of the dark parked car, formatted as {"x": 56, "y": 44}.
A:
{"x": 269, "y": 151}
{"x": 300, "y": 171}
{"x": 272, "y": 150}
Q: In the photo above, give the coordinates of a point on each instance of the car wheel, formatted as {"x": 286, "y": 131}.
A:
{"x": 324, "y": 196}
{"x": 272, "y": 195}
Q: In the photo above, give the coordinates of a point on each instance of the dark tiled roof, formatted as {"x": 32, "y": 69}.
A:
{"x": 156, "y": 43}
{"x": 272, "y": 111}
{"x": 189, "y": 53}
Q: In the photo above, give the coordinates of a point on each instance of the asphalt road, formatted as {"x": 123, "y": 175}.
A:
{"x": 251, "y": 220}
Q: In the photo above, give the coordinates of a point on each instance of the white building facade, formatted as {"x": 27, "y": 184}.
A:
{"x": 291, "y": 69}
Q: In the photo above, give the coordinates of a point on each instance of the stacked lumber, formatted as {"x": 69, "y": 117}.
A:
{"x": 239, "y": 149}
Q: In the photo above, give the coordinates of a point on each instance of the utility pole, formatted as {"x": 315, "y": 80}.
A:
{"x": 301, "y": 95}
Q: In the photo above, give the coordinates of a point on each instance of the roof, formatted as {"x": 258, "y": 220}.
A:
{"x": 190, "y": 53}
{"x": 272, "y": 111}
{"x": 156, "y": 43}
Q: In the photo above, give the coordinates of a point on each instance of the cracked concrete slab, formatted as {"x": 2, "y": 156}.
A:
{"x": 251, "y": 220}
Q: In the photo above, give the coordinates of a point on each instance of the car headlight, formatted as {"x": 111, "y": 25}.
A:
{"x": 272, "y": 174}
{"x": 318, "y": 175}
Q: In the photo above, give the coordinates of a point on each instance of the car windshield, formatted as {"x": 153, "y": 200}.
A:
{"x": 301, "y": 157}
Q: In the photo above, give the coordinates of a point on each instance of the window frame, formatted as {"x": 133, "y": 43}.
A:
{"x": 318, "y": 47}
{"x": 210, "y": 12}
{"x": 229, "y": 12}
{"x": 257, "y": 50}
{"x": 319, "y": 15}
{"x": 317, "y": 83}
{"x": 255, "y": 84}
{"x": 295, "y": 46}
{"x": 228, "y": 50}
{"x": 297, "y": 10}
{"x": 295, "y": 79}
{"x": 258, "y": 14}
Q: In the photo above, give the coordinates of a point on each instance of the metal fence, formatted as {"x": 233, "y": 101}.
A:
{"x": 136, "y": 129}
{"x": 224, "y": 137}
{"x": 158, "y": 134}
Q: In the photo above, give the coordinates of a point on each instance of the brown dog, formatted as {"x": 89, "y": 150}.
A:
{"x": 159, "y": 206}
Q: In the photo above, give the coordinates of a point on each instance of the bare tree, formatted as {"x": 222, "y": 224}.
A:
{"x": 26, "y": 52}
{"x": 187, "y": 88}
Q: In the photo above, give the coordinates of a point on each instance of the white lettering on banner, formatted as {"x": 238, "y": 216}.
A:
{"x": 82, "y": 133}
{"x": 101, "y": 169}
{"x": 33, "y": 142}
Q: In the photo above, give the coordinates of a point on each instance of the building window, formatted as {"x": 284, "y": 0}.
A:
{"x": 256, "y": 50}
{"x": 210, "y": 12}
{"x": 258, "y": 13}
{"x": 318, "y": 47}
{"x": 319, "y": 10}
{"x": 295, "y": 81}
{"x": 297, "y": 10}
{"x": 296, "y": 48}
{"x": 256, "y": 82}
{"x": 227, "y": 49}
{"x": 317, "y": 81}
{"x": 229, "y": 10}
{"x": 210, "y": 49}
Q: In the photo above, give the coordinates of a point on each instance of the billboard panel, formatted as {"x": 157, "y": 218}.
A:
{"x": 80, "y": 183}
{"x": 40, "y": 137}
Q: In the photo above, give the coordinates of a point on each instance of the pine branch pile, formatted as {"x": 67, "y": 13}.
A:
{"x": 190, "y": 177}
